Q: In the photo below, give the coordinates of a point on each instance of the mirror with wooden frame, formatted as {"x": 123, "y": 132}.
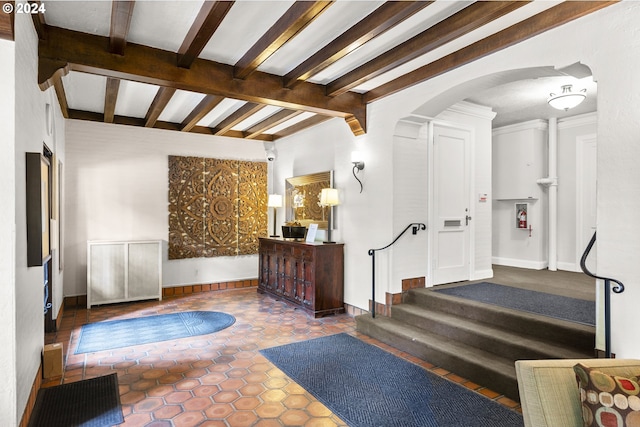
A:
{"x": 303, "y": 199}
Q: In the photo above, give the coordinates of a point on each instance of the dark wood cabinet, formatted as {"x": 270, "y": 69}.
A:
{"x": 309, "y": 275}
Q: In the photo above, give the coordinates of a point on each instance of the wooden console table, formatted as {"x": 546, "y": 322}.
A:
{"x": 308, "y": 275}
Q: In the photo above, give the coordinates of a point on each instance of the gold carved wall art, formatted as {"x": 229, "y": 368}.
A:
{"x": 216, "y": 207}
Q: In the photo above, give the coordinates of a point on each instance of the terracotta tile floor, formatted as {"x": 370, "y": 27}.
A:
{"x": 219, "y": 379}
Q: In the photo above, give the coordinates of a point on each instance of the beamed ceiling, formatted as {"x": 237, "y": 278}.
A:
{"x": 266, "y": 69}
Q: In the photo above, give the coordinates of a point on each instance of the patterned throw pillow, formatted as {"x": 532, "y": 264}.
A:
{"x": 608, "y": 400}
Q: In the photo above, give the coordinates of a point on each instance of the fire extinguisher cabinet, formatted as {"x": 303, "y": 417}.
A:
{"x": 522, "y": 215}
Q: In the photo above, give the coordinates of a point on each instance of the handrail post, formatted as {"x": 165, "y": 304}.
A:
{"x": 618, "y": 289}
{"x": 373, "y": 285}
{"x": 372, "y": 253}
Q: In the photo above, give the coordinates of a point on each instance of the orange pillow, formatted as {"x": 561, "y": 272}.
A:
{"x": 608, "y": 400}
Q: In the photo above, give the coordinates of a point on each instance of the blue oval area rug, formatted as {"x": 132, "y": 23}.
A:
{"x": 143, "y": 330}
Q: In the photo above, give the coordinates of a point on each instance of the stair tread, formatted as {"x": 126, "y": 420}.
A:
{"x": 491, "y": 331}
{"x": 452, "y": 347}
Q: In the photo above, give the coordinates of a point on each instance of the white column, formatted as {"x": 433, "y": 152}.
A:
{"x": 553, "y": 194}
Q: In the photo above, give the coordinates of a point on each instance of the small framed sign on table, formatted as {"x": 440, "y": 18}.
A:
{"x": 311, "y": 233}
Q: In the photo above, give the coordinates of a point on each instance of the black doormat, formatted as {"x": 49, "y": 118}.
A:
{"x": 88, "y": 403}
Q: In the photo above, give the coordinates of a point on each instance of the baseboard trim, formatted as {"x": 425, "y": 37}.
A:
{"x": 521, "y": 263}
{"x": 81, "y": 300}
{"x": 569, "y": 266}
{"x": 482, "y": 274}
{"x": 208, "y": 287}
{"x": 31, "y": 401}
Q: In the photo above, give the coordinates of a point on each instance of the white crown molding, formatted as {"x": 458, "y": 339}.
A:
{"x": 470, "y": 109}
{"x": 537, "y": 124}
{"x": 579, "y": 120}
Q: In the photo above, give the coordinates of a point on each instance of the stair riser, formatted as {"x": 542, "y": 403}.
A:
{"x": 501, "y": 382}
{"x": 547, "y": 329}
{"x": 494, "y": 344}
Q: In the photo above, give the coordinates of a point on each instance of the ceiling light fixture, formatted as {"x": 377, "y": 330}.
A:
{"x": 567, "y": 99}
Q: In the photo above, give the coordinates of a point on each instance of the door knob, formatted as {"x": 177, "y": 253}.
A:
{"x": 467, "y": 218}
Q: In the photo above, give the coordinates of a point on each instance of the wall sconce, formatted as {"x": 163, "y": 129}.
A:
{"x": 358, "y": 165}
{"x": 275, "y": 201}
{"x": 329, "y": 197}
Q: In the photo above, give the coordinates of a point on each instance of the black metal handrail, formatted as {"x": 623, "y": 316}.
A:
{"x": 618, "y": 289}
{"x": 372, "y": 253}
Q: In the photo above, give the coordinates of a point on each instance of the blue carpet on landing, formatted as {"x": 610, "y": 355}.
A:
{"x": 143, "y": 330}
{"x": 556, "y": 306}
{"x": 368, "y": 387}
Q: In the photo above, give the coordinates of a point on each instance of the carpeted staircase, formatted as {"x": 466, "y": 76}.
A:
{"x": 477, "y": 341}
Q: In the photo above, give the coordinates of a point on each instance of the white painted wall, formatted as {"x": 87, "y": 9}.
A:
{"x": 117, "y": 189}
{"x": 30, "y": 135}
{"x": 8, "y": 397}
{"x": 605, "y": 41}
{"x": 570, "y": 130}
{"x": 519, "y": 159}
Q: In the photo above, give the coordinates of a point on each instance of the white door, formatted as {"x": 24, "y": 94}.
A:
{"x": 451, "y": 216}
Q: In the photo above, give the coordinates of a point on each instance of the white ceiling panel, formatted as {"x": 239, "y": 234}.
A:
{"x": 134, "y": 99}
{"x": 290, "y": 122}
{"x": 85, "y": 92}
{"x": 221, "y": 112}
{"x": 424, "y": 19}
{"x": 181, "y": 104}
{"x": 162, "y": 24}
{"x": 335, "y": 20}
{"x": 459, "y": 43}
{"x": 245, "y": 23}
{"x": 84, "y": 16}
{"x": 267, "y": 111}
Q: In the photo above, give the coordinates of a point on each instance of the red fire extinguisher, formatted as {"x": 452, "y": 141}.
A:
{"x": 522, "y": 218}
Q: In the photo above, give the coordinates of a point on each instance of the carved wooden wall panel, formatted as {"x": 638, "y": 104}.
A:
{"x": 216, "y": 207}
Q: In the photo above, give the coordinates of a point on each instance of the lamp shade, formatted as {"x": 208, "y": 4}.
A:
{"x": 275, "y": 201}
{"x": 329, "y": 197}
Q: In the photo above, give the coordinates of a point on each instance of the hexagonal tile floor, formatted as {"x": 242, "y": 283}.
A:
{"x": 219, "y": 379}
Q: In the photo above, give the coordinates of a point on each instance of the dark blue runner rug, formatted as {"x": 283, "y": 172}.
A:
{"x": 556, "y": 306}
{"x": 368, "y": 387}
{"x": 143, "y": 330}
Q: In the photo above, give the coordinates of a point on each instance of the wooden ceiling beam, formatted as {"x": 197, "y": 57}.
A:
{"x": 110, "y": 99}
{"x": 304, "y": 124}
{"x": 162, "y": 98}
{"x": 463, "y": 22}
{"x": 121, "y": 12}
{"x": 530, "y": 27}
{"x": 132, "y": 121}
{"x": 207, "y": 104}
{"x": 206, "y": 23}
{"x": 377, "y": 22}
{"x": 7, "y": 21}
{"x": 66, "y": 50}
{"x": 294, "y": 20}
{"x": 39, "y": 22}
{"x": 270, "y": 122}
{"x": 247, "y": 110}
{"x": 61, "y": 95}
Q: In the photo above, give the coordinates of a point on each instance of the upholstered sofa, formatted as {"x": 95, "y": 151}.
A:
{"x": 549, "y": 392}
